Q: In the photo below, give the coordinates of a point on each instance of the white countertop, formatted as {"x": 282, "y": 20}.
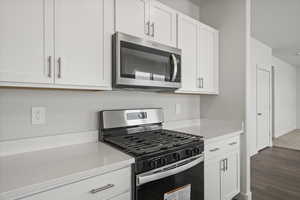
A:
{"x": 213, "y": 130}
{"x": 32, "y": 172}
{"x": 36, "y": 171}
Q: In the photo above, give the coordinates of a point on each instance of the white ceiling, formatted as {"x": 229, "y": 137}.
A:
{"x": 277, "y": 24}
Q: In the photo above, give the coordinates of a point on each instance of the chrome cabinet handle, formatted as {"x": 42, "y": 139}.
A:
{"x": 199, "y": 82}
{"x": 223, "y": 165}
{"x": 226, "y": 164}
{"x": 153, "y": 29}
{"x": 148, "y": 28}
{"x": 59, "y": 67}
{"x": 202, "y": 82}
{"x": 94, "y": 191}
{"x": 214, "y": 150}
{"x": 259, "y": 114}
{"x": 50, "y": 66}
{"x": 232, "y": 143}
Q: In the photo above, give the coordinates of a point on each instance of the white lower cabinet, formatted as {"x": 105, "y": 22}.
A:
{"x": 114, "y": 185}
{"x": 222, "y": 169}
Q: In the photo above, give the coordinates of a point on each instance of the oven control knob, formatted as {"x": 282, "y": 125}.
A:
{"x": 158, "y": 162}
{"x": 151, "y": 164}
{"x": 189, "y": 152}
{"x": 164, "y": 161}
{"x": 196, "y": 151}
{"x": 176, "y": 156}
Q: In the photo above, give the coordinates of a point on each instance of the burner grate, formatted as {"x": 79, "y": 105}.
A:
{"x": 152, "y": 141}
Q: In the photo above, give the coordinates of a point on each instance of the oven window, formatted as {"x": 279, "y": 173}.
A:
{"x": 156, "y": 190}
{"x": 143, "y": 63}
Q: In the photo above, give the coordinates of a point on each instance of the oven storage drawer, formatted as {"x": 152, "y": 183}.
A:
{"x": 106, "y": 186}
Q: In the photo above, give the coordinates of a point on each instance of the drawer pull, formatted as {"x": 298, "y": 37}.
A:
{"x": 94, "y": 191}
{"x": 232, "y": 143}
{"x": 214, "y": 150}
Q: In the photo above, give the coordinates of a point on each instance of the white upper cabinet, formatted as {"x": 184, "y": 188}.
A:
{"x": 26, "y": 50}
{"x": 79, "y": 30}
{"x": 208, "y": 59}
{"x": 200, "y": 57}
{"x": 61, "y": 44}
{"x": 163, "y": 23}
{"x": 132, "y": 17}
{"x": 188, "y": 40}
{"x": 148, "y": 19}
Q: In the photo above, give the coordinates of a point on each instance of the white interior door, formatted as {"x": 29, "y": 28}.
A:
{"x": 26, "y": 41}
{"x": 79, "y": 42}
{"x": 163, "y": 23}
{"x": 132, "y": 17}
{"x": 263, "y": 109}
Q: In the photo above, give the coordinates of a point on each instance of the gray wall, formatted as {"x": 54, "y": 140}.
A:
{"x": 75, "y": 111}
{"x": 229, "y": 17}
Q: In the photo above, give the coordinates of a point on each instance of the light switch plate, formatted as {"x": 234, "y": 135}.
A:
{"x": 38, "y": 115}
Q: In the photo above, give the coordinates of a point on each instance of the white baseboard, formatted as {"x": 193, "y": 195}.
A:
{"x": 40, "y": 143}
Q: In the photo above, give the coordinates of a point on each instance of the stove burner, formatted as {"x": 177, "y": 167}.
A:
{"x": 152, "y": 141}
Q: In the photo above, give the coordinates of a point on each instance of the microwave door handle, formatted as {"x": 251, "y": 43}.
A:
{"x": 175, "y": 67}
{"x": 167, "y": 171}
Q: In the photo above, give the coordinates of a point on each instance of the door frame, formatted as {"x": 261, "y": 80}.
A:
{"x": 269, "y": 70}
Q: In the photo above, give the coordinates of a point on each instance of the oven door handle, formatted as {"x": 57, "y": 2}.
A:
{"x": 168, "y": 170}
{"x": 175, "y": 67}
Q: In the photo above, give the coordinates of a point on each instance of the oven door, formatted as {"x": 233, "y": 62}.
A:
{"x": 140, "y": 63}
{"x": 183, "y": 181}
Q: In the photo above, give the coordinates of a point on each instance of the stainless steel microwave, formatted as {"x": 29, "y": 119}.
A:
{"x": 138, "y": 63}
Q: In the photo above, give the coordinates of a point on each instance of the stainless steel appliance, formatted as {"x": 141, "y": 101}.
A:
{"x": 138, "y": 63}
{"x": 167, "y": 162}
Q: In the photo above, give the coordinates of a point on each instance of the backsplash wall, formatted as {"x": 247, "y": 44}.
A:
{"x": 77, "y": 111}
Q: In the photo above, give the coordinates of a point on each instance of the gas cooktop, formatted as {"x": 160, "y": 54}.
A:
{"x": 148, "y": 142}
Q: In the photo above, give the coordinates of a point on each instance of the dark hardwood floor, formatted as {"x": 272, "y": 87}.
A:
{"x": 275, "y": 174}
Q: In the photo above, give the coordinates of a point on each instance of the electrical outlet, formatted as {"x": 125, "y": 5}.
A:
{"x": 177, "y": 108}
{"x": 38, "y": 115}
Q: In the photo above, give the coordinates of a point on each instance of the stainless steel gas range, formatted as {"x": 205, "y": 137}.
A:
{"x": 169, "y": 164}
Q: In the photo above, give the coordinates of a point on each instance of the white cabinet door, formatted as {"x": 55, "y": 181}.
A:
{"x": 212, "y": 179}
{"x": 26, "y": 41}
{"x": 230, "y": 177}
{"x": 188, "y": 39}
{"x": 163, "y": 23}
{"x": 208, "y": 59}
{"x": 79, "y": 42}
{"x": 132, "y": 17}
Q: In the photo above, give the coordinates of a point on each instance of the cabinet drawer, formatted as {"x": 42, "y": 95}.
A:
{"x": 217, "y": 149}
{"x": 231, "y": 144}
{"x": 213, "y": 150}
{"x": 103, "y": 187}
